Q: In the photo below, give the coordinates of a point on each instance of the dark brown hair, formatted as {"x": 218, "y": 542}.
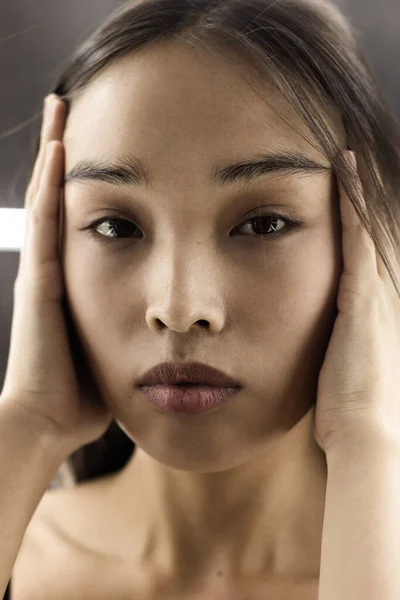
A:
{"x": 311, "y": 53}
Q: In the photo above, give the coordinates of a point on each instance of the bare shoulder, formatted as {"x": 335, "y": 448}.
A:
{"x": 63, "y": 550}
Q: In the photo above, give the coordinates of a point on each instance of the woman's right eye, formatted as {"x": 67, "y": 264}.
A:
{"x": 107, "y": 229}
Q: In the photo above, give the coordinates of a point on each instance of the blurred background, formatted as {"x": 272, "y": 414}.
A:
{"x": 35, "y": 40}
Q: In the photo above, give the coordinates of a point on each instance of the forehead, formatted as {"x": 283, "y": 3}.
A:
{"x": 170, "y": 103}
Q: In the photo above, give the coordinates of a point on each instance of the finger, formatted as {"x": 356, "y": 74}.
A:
{"x": 392, "y": 258}
{"x": 370, "y": 260}
{"x": 52, "y": 129}
{"x": 359, "y": 253}
{"x": 42, "y": 240}
{"x": 381, "y": 268}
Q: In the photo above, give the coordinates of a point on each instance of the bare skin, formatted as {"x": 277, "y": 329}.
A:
{"x": 236, "y": 496}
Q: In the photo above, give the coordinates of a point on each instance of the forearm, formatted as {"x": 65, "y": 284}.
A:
{"x": 28, "y": 462}
{"x": 360, "y": 554}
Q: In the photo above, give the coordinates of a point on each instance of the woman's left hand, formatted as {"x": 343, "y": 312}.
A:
{"x": 358, "y": 385}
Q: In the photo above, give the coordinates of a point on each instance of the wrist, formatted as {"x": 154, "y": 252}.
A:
{"x": 32, "y": 429}
{"x": 366, "y": 442}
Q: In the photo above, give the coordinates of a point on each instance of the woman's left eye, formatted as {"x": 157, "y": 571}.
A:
{"x": 261, "y": 225}
{"x": 266, "y": 225}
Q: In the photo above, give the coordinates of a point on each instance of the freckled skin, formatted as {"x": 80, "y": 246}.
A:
{"x": 241, "y": 489}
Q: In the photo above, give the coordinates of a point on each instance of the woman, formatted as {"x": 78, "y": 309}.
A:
{"x": 200, "y": 152}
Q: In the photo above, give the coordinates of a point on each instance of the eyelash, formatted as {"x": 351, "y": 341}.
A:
{"x": 291, "y": 224}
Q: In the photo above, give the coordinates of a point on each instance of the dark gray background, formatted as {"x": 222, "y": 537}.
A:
{"x": 37, "y": 37}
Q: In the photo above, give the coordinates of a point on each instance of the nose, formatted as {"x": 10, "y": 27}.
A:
{"x": 183, "y": 321}
{"x": 185, "y": 295}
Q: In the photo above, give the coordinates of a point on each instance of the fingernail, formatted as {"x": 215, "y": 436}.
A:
{"x": 50, "y": 101}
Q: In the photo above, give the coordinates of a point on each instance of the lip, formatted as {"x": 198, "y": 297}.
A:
{"x": 187, "y": 400}
{"x": 196, "y": 373}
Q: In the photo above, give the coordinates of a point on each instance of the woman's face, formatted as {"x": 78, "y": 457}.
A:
{"x": 191, "y": 277}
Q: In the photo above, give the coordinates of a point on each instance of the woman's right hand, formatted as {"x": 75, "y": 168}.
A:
{"x": 41, "y": 378}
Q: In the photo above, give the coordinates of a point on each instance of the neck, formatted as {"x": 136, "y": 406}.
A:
{"x": 262, "y": 518}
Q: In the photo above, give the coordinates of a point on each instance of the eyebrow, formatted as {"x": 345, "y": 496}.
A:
{"x": 127, "y": 172}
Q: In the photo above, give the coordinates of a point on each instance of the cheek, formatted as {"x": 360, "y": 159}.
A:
{"x": 292, "y": 284}
{"x": 103, "y": 315}
{"x": 96, "y": 301}
{"x": 290, "y": 313}
{"x": 106, "y": 315}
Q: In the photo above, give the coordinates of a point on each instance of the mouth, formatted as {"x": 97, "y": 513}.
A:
{"x": 187, "y": 375}
{"x": 188, "y": 384}
{"x": 187, "y": 399}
